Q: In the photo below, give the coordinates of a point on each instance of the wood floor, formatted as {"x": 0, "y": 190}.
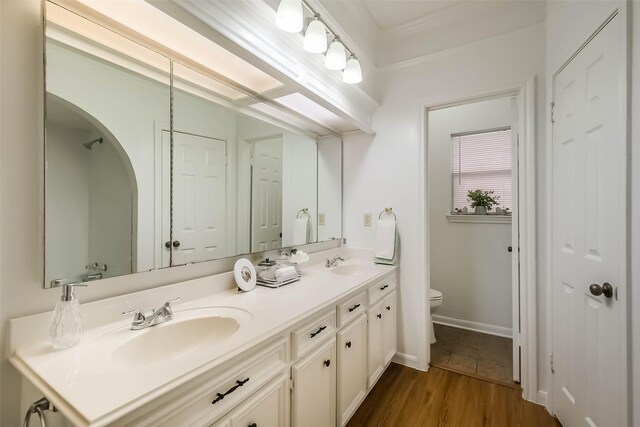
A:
{"x": 405, "y": 397}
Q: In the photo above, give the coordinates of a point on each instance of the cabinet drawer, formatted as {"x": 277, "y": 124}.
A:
{"x": 269, "y": 407}
{"x": 312, "y": 333}
{"x": 380, "y": 289}
{"x": 200, "y": 403}
{"x": 351, "y": 309}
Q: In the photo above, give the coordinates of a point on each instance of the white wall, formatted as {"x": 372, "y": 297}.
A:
{"x": 299, "y": 183}
{"x": 67, "y": 225}
{"x": 330, "y": 187}
{"x": 469, "y": 262}
{"x": 110, "y": 210}
{"x": 386, "y": 169}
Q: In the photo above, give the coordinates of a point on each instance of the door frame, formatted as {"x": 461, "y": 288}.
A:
{"x": 620, "y": 10}
{"x": 526, "y": 304}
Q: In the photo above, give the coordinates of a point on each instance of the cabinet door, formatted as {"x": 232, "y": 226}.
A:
{"x": 352, "y": 368}
{"x": 266, "y": 408}
{"x": 389, "y": 320}
{"x": 374, "y": 337}
{"x": 314, "y": 388}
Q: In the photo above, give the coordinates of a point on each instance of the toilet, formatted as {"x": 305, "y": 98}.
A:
{"x": 435, "y": 301}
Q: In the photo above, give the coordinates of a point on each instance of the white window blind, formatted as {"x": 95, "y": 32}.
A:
{"x": 481, "y": 161}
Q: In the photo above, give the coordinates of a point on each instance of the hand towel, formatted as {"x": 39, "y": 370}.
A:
{"x": 285, "y": 273}
{"x": 385, "y": 247}
{"x": 301, "y": 229}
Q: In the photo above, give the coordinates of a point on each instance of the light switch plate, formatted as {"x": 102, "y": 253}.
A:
{"x": 320, "y": 219}
{"x": 367, "y": 220}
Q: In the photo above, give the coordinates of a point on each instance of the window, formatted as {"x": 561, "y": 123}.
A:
{"x": 481, "y": 160}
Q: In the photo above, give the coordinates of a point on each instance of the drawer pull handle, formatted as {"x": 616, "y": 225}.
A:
{"x": 327, "y": 363}
{"x": 354, "y": 307}
{"x": 239, "y": 383}
{"x": 379, "y": 316}
{"x": 382, "y": 288}
{"x": 322, "y": 328}
{"x": 388, "y": 308}
{"x": 253, "y": 425}
{"x": 348, "y": 344}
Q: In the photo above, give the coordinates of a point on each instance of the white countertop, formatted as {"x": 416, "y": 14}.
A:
{"x": 91, "y": 387}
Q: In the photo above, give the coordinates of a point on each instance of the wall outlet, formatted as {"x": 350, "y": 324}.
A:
{"x": 367, "y": 220}
{"x": 321, "y": 219}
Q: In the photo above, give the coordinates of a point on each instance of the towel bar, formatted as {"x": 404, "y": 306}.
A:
{"x": 303, "y": 210}
{"x": 388, "y": 211}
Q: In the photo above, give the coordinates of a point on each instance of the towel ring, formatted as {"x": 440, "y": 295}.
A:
{"x": 38, "y": 408}
{"x": 304, "y": 211}
{"x": 388, "y": 211}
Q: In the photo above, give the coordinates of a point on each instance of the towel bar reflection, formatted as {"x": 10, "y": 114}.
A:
{"x": 388, "y": 211}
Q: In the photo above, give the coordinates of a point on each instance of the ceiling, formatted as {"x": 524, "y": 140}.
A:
{"x": 388, "y": 32}
{"x": 388, "y": 14}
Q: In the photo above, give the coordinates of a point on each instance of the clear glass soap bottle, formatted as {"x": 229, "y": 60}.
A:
{"x": 66, "y": 325}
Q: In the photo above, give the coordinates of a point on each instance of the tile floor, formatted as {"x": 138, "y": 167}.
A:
{"x": 474, "y": 353}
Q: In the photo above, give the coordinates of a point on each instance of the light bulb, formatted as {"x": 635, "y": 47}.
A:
{"x": 289, "y": 17}
{"x": 336, "y": 56}
{"x": 352, "y": 71}
{"x": 315, "y": 39}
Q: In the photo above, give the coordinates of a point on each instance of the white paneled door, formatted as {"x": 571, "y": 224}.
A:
{"x": 589, "y": 234}
{"x": 199, "y": 198}
{"x": 266, "y": 195}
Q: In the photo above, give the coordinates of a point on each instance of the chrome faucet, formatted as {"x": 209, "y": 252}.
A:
{"x": 161, "y": 315}
{"x": 334, "y": 261}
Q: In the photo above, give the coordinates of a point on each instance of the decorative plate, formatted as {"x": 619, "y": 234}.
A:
{"x": 245, "y": 274}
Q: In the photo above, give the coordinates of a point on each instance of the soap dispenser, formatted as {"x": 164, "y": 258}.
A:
{"x": 66, "y": 324}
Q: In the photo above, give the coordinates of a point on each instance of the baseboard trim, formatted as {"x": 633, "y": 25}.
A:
{"x": 406, "y": 360}
{"x": 543, "y": 399}
{"x": 473, "y": 326}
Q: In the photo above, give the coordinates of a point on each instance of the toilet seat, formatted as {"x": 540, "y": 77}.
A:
{"x": 435, "y": 295}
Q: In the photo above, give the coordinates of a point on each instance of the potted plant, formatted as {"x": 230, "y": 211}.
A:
{"x": 482, "y": 200}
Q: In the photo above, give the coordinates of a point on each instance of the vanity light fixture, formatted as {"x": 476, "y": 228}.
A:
{"x": 289, "y": 16}
{"x": 315, "y": 38}
{"x": 336, "y": 55}
{"x": 352, "y": 73}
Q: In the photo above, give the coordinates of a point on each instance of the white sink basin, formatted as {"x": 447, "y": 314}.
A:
{"x": 349, "y": 270}
{"x": 189, "y": 331}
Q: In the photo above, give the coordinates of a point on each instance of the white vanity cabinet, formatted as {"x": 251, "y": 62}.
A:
{"x": 352, "y": 368}
{"x": 269, "y": 407}
{"x": 381, "y": 328}
{"x": 313, "y": 401}
{"x": 389, "y": 327}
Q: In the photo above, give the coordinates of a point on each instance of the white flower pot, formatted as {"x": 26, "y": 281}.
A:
{"x": 481, "y": 210}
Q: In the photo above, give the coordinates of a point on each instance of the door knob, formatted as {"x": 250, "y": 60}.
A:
{"x": 176, "y": 244}
{"x": 509, "y": 249}
{"x": 606, "y": 289}
{"x": 327, "y": 363}
{"x": 167, "y": 244}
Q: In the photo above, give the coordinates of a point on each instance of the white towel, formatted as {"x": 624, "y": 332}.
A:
{"x": 285, "y": 273}
{"x": 385, "y": 248}
{"x": 301, "y": 230}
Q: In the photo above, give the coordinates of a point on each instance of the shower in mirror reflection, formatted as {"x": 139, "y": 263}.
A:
{"x": 89, "y": 145}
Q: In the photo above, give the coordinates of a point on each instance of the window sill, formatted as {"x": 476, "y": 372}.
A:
{"x": 481, "y": 219}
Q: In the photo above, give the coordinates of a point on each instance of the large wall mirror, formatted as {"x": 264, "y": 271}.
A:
{"x": 150, "y": 163}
